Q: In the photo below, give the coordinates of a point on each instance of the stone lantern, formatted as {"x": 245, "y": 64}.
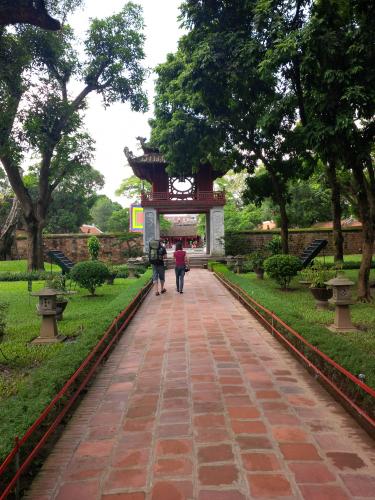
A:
{"x": 239, "y": 263}
{"x": 47, "y": 309}
{"x": 341, "y": 299}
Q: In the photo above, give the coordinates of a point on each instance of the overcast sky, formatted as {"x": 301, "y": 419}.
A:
{"x": 117, "y": 126}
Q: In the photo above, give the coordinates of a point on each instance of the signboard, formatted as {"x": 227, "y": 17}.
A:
{"x": 136, "y": 219}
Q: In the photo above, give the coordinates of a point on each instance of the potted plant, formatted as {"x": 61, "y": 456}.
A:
{"x": 306, "y": 275}
{"x": 256, "y": 261}
{"x": 57, "y": 283}
{"x": 319, "y": 275}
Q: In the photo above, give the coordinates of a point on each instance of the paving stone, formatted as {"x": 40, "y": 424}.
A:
{"x": 311, "y": 472}
{"x": 173, "y": 447}
{"x": 360, "y": 485}
{"x": 221, "y": 495}
{"x": 269, "y": 485}
{"x": 84, "y": 490}
{"x": 135, "y": 495}
{"x": 260, "y": 462}
{"x": 173, "y": 467}
{"x": 299, "y": 451}
{"x": 123, "y": 479}
{"x": 172, "y": 490}
{"x": 217, "y": 474}
{"x": 323, "y": 492}
{"x": 215, "y": 453}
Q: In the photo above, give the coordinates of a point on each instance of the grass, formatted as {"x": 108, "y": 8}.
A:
{"x": 20, "y": 266}
{"x": 347, "y": 258}
{"x": 31, "y": 375}
{"x": 354, "y": 351}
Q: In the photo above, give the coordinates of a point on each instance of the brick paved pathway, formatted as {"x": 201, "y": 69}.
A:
{"x": 198, "y": 401}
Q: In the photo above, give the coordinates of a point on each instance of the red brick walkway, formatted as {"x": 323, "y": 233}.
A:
{"x": 198, "y": 401}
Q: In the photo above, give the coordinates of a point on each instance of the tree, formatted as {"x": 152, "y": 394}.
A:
{"x": 52, "y": 120}
{"x": 103, "y": 210}
{"x": 339, "y": 103}
{"x": 309, "y": 202}
{"x": 213, "y": 98}
{"x": 73, "y": 199}
{"x": 238, "y": 215}
{"x": 118, "y": 221}
{"x": 324, "y": 51}
{"x": 132, "y": 186}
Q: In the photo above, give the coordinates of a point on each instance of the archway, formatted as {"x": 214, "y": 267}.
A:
{"x": 189, "y": 194}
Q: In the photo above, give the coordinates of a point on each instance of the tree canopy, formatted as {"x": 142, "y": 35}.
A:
{"x": 280, "y": 83}
{"x": 40, "y": 116}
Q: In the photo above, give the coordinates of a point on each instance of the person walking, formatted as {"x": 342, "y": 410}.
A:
{"x": 181, "y": 264}
{"x": 157, "y": 256}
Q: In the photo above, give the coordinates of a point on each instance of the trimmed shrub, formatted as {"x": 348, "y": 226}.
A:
{"x": 121, "y": 270}
{"x": 282, "y": 268}
{"x": 93, "y": 246}
{"x": 89, "y": 274}
{"x": 275, "y": 246}
{"x": 211, "y": 264}
{"x": 27, "y": 276}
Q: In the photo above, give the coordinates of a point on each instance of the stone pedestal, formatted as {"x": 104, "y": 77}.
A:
{"x": 343, "y": 322}
{"x": 151, "y": 227}
{"x": 217, "y": 231}
{"x": 341, "y": 299}
{"x": 48, "y": 331}
{"x": 47, "y": 309}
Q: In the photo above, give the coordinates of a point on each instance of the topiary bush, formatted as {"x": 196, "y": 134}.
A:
{"x": 93, "y": 246}
{"x": 282, "y": 268}
{"x": 121, "y": 270}
{"x": 275, "y": 246}
{"x": 89, "y": 274}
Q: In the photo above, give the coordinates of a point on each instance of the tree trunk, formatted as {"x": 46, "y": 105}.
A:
{"x": 338, "y": 240}
{"x": 364, "y": 293}
{"x": 284, "y": 227}
{"x": 366, "y": 212}
{"x": 8, "y": 231}
{"x": 35, "y": 253}
{"x": 278, "y": 197}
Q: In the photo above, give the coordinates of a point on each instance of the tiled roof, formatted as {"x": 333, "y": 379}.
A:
{"x": 180, "y": 230}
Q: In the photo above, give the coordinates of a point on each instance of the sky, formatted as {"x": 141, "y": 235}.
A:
{"x": 117, "y": 126}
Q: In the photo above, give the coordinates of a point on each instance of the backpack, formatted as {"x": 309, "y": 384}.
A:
{"x": 154, "y": 252}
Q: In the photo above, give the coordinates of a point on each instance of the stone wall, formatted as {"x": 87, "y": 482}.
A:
{"x": 114, "y": 248}
{"x": 300, "y": 239}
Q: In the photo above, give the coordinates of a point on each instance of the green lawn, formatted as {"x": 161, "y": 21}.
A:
{"x": 347, "y": 258}
{"x": 31, "y": 375}
{"x": 354, "y": 351}
{"x": 20, "y": 266}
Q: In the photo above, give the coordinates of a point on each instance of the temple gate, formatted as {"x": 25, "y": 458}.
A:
{"x": 190, "y": 194}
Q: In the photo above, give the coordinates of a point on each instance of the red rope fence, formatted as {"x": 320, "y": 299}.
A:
{"x": 355, "y": 395}
{"x": 70, "y": 390}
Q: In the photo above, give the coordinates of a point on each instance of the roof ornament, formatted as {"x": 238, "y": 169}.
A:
{"x": 129, "y": 155}
{"x": 141, "y": 140}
